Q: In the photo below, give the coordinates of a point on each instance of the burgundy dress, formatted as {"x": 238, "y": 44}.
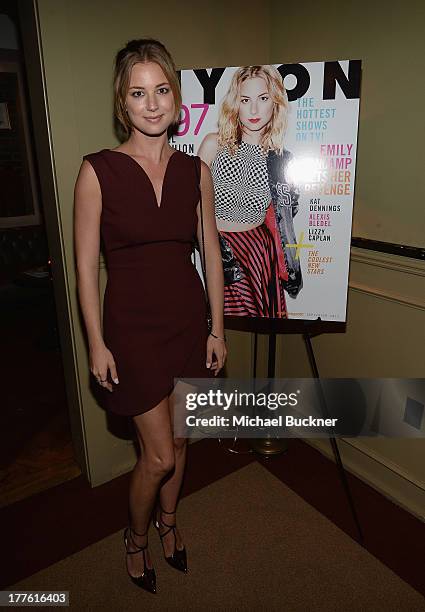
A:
{"x": 154, "y": 312}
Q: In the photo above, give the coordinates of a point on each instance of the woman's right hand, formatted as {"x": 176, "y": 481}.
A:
{"x": 102, "y": 360}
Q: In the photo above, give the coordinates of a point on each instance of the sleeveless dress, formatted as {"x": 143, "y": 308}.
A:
{"x": 154, "y": 308}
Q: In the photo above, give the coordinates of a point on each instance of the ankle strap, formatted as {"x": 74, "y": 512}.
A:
{"x": 170, "y": 528}
{"x": 139, "y": 548}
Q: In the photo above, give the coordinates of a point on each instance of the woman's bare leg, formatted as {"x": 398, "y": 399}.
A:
{"x": 170, "y": 489}
{"x": 156, "y": 460}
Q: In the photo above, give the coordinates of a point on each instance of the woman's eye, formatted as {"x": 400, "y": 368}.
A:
{"x": 244, "y": 100}
{"x": 136, "y": 94}
{"x": 163, "y": 90}
{"x": 264, "y": 98}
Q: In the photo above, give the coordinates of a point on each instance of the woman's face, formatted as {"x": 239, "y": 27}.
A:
{"x": 150, "y": 100}
{"x": 256, "y": 105}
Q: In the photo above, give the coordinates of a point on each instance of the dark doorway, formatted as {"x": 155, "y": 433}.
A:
{"x": 36, "y": 449}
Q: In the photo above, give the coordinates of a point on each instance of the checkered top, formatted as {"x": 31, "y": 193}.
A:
{"x": 241, "y": 185}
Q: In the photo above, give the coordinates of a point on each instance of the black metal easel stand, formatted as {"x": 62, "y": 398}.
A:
{"x": 334, "y": 445}
{"x": 268, "y": 446}
{"x": 271, "y": 371}
{"x": 308, "y": 329}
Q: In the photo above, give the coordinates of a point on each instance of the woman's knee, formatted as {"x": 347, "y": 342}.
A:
{"x": 161, "y": 463}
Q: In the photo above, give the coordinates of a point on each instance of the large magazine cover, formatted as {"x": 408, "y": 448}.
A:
{"x": 280, "y": 141}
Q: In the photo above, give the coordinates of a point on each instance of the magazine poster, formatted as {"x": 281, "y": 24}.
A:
{"x": 280, "y": 141}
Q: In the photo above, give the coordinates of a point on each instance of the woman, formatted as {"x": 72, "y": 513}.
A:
{"x": 243, "y": 157}
{"x": 142, "y": 199}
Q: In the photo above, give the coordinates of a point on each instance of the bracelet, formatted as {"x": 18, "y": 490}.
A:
{"x": 218, "y": 337}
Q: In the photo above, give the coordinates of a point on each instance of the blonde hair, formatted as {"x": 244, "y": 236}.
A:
{"x": 229, "y": 125}
{"x": 142, "y": 51}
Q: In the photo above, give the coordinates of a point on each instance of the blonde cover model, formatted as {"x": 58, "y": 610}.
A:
{"x": 251, "y": 125}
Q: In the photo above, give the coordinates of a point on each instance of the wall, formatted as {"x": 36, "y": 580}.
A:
{"x": 386, "y": 306}
{"x": 388, "y": 38}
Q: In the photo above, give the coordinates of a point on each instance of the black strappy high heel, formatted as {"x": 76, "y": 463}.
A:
{"x": 178, "y": 559}
{"x": 147, "y": 580}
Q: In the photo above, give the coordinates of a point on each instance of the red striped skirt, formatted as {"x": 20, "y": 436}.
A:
{"x": 259, "y": 293}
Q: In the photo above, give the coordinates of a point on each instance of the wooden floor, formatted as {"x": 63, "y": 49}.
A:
{"x": 35, "y": 440}
{"x": 46, "y": 460}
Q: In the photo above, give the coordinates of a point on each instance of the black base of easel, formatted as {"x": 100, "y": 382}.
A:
{"x": 271, "y": 370}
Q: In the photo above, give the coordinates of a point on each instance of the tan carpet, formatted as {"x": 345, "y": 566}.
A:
{"x": 252, "y": 543}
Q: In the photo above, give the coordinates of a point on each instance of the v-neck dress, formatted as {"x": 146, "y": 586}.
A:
{"x": 154, "y": 308}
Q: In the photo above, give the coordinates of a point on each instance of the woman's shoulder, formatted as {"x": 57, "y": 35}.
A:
{"x": 97, "y": 163}
{"x": 183, "y": 159}
{"x": 211, "y": 139}
{"x": 188, "y": 158}
{"x": 96, "y": 155}
{"x": 99, "y": 152}
{"x": 209, "y": 146}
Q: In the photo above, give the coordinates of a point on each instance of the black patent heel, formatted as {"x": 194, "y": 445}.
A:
{"x": 178, "y": 559}
{"x": 147, "y": 580}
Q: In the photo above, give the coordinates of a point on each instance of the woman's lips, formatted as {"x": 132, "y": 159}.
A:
{"x": 154, "y": 119}
{"x": 254, "y": 120}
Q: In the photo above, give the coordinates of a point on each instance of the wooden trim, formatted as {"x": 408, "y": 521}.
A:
{"x": 379, "y": 473}
{"x": 387, "y": 296}
{"x": 382, "y": 460}
{"x": 404, "y": 250}
{"x": 388, "y": 261}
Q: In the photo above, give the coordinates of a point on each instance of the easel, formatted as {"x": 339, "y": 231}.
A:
{"x": 308, "y": 329}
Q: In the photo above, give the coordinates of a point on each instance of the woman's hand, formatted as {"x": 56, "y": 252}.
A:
{"x": 101, "y": 360}
{"x": 217, "y": 347}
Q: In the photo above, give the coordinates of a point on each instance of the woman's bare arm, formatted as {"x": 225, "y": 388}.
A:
{"x": 87, "y": 210}
{"x": 213, "y": 264}
{"x": 208, "y": 148}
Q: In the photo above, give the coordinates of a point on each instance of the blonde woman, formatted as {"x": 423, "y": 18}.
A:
{"x": 253, "y": 219}
{"x": 142, "y": 199}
